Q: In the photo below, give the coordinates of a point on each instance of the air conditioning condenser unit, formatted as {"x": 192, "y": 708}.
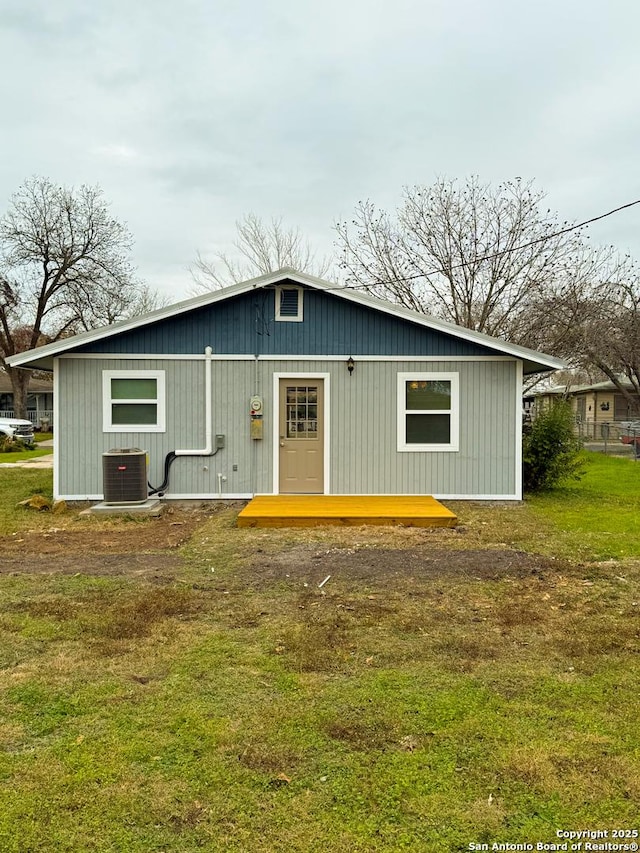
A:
{"x": 124, "y": 475}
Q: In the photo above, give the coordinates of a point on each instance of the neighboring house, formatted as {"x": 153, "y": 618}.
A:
{"x": 594, "y": 406}
{"x": 39, "y": 400}
{"x": 290, "y": 384}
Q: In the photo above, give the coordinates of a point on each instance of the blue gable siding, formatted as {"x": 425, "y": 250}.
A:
{"x": 246, "y": 324}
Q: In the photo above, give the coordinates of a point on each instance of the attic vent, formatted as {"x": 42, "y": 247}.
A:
{"x": 289, "y": 304}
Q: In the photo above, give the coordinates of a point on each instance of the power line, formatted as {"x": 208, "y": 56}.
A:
{"x": 500, "y": 253}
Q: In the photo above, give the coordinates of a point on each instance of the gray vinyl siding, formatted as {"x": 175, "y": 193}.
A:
{"x": 82, "y": 441}
{"x": 363, "y": 428}
{"x": 246, "y": 325}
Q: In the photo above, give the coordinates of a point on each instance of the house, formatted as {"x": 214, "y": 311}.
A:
{"x": 595, "y": 405}
{"x": 290, "y": 384}
{"x": 39, "y": 400}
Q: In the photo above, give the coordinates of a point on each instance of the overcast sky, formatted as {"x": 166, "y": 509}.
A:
{"x": 190, "y": 114}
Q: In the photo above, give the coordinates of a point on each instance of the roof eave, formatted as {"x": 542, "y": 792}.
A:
{"x": 531, "y": 366}
{"x": 32, "y": 357}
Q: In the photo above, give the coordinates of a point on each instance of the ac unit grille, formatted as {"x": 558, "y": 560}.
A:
{"x": 124, "y": 475}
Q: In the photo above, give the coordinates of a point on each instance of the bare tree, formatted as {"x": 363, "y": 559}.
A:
{"x": 107, "y": 308}
{"x": 262, "y": 249}
{"x": 470, "y": 253}
{"x": 613, "y": 341}
{"x": 595, "y": 321}
{"x": 63, "y": 267}
{"x": 622, "y": 354}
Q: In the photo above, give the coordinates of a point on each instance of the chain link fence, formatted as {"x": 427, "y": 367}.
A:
{"x": 621, "y": 438}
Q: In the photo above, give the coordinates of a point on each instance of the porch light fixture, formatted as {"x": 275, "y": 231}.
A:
{"x": 604, "y": 407}
{"x": 350, "y": 365}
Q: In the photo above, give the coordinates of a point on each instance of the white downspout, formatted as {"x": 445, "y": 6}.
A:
{"x": 208, "y": 426}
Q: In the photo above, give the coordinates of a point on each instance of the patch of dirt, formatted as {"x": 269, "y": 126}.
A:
{"x": 113, "y": 548}
{"x": 149, "y": 548}
{"x": 160, "y": 565}
{"x": 374, "y": 564}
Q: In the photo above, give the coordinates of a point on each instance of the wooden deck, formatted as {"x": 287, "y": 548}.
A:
{"x": 318, "y": 510}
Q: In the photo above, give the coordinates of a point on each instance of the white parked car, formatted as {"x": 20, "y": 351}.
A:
{"x": 17, "y": 428}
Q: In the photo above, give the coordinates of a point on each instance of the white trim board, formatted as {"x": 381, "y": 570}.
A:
{"x": 99, "y": 356}
{"x": 430, "y": 494}
{"x": 246, "y": 496}
{"x": 213, "y": 496}
{"x": 356, "y": 358}
{"x": 518, "y": 430}
{"x": 144, "y": 356}
{"x": 326, "y": 377}
{"x": 238, "y": 496}
{"x": 56, "y": 429}
{"x": 477, "y": 497}
{"x": 402, "y": 445}
{"x": 108, "y": 401}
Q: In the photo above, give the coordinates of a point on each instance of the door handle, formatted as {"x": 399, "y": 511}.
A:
{"x": 281, "y": 441}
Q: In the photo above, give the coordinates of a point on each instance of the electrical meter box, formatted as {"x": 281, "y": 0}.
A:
{"x": 256, "y": 410}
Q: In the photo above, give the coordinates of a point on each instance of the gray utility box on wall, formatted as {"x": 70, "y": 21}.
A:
{"x": 124, "y": 475}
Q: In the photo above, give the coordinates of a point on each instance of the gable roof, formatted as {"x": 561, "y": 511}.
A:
{"x": 607, "y": 385}
{"x": 41, "y": 357}
{"x": 36, "y": 386}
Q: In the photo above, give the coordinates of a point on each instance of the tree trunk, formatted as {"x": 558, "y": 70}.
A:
{"x": 20, "y": 383}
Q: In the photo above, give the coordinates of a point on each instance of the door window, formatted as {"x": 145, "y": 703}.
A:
{"x": 302, "y": 411}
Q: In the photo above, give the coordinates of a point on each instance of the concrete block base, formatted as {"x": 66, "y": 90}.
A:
{"x": 151, "y": 507}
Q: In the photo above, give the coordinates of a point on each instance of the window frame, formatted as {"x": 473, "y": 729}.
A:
{"x": 300, "y": 314}
{"x": 454, "y": 412}
{"x": 108, "y": 400}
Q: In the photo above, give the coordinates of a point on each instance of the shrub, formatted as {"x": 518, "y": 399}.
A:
{"x": 550, "y": 451}
{"x": 8, "y": 444}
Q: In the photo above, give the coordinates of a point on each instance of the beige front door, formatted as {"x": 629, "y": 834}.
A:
{"x": 301, "y": 436}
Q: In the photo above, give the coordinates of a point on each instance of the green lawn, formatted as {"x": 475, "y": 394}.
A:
{"x": 597, "y": 517}
{"x": 17, "y": 484}
{"x": 21, "y": 455}
{"x": 30, "y": 453}
{"x": 441, "y": 689}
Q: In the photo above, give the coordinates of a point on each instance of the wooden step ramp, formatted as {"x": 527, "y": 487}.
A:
{"x": 318, "y": 510}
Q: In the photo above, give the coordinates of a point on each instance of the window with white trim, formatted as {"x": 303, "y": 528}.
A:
{"x": 289, "y": 303}
{"x": 133, "y": 400}
{"x": 428, "y": 406}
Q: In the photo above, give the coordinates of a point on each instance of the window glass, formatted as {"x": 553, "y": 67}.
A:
{"x": 302, "y": 412}
{"x": 428, "y": 394}
{"x": 134, "y": 413}
{"x": 428, "y": 429}
{"x": 134, "y": 389}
